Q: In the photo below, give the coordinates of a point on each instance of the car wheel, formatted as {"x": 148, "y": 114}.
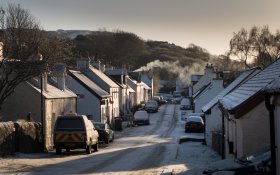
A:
{"x": 107, "y": 140}
{"x": 58, "y": 151}
{"x": 95, "y": 147}
{"x": 88, "y": 149}
{"x": 113, "y": 137}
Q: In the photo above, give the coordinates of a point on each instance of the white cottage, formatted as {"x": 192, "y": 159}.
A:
{"x": 213, "y": 114}
{"x": 103, "y": 81}
{"x": 246, "y": 120}
{"x": 204, "y": 95}
{"x": 27, "y": 102}
{"x": 272, "y": 99}
{"x": 92, "y": 100}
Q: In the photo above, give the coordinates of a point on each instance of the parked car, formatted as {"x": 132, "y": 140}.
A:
{"x": 157, "y": 99}
{"x": 258, "y": 163}
{"x": 151, "y": 106}
{"x": 141, "y": 117}
{"x": 185, "y": 104}
{"x": 106, "y": 134}
{"x": 74, "y": 132}
{"x": 194, "y": 124}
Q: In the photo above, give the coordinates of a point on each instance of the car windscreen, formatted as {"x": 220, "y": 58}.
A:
{"x": 75, "y": 124}
{"x": 99, "y": 125}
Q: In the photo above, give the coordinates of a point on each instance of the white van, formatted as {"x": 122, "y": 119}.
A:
{"x": 185, "y": 104}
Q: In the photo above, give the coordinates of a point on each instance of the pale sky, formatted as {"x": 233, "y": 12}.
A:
{"x": 207, "y": 23}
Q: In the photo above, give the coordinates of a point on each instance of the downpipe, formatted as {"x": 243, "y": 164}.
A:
{"x": 270, "y": 107}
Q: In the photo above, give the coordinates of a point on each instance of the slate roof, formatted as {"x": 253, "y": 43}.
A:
{"x": 88, "y": 84}
{"x": 273, "y": 87}
{"x": 102, "y": 76}
{"x": 201, "y": 90}
{"x": 238, "y": 81}
{"x": 53, "y": 92}
{"x": 250, "y": 88}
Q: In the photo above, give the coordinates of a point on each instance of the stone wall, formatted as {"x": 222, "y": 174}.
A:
{"x": 20, "y": 136}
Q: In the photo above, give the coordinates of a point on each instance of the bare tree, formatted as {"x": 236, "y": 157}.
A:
{"x": 257, "y": 47}
{"x": 27, "y": 49}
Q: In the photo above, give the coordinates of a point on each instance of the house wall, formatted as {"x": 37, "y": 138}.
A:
{"x": 248, "y": 133}
{"x": 213, "y": 122}
{"x": 18, "y": 105}
{"x": 254, "y": 126}
{"x": 210, "y": 93}
{"x": 26, "y": 99}
{"x": 54, "y": 108}
{"x": 277, "y": 131}
{"x": 87, "y": 104}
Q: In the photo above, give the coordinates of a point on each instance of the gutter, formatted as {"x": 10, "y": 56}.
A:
{"x": 270, "y": 107}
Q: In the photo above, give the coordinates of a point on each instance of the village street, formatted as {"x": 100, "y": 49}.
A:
{"x": 152, "y": 149}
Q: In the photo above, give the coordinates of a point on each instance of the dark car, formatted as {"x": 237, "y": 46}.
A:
{"x": 106, "y": 134}
{"x": 194, "y": 124}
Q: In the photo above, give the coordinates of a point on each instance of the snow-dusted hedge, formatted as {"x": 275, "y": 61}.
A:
{"x": 20, "y": 136}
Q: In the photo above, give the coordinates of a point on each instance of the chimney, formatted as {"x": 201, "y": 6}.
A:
{"x": 44, "y": 80}
{"x": 83, "y": 64}
{"x": 1, "y": 51}
{"x": 60, "y": 73}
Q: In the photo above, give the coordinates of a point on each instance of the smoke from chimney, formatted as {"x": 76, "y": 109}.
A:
{"x": 184, "y": 73}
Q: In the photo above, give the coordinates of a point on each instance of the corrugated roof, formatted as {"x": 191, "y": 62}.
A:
{"x": 90, "y": 85}
{"x": 53, "y": 92}
{"x": 252, "y": 86}
{"x": 273, "y": 87}
{"x": 240, "y": 79}
{"x": 102, "y": 76}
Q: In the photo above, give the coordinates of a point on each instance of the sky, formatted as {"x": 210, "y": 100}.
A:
{"x": 206, "y": 23}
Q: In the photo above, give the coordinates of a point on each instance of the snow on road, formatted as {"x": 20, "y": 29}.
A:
{"x": 152, "y": 149}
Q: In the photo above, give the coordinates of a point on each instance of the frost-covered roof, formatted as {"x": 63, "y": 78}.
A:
{"x": 273, "y": 87}
{"x": 201, "y": 90}
{"x": 239, "y": 80}
{"x": 145, "y": 86}
{"x": 252, "y": 86}
{"x": 53, "y": 92}
{"x": 104, "y": 77}
{"x": 90, "y": 85}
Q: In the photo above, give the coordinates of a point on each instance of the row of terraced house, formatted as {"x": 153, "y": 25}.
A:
{"x": 102, "y": 94}
{"x": 243, "y": 117}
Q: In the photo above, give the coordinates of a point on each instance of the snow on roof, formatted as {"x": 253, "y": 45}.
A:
{"x": 145, "y": 86}
{"x": 102, "y": 76}
{"x": 90, "y": 85}
{"x": 239, "y": 80}
{"x": 273, "y": 87}
{"x": 130, "y": 90}
{"x": 252, "y": 86}
{"x": 53, "y": 92}
{"x": 201, "y": 90}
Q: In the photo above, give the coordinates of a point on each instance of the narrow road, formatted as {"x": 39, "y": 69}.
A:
{"x": 137, "y": 150}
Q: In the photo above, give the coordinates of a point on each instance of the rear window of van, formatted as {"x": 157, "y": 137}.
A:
{"x": 75, "y": 124}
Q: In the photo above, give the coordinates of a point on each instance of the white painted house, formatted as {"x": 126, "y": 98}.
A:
{"x": 246, "y": 120}
{"x": 213, "y": 115}
{"x": 92, "y": 100}
{"x": 205, "y": 94}
{"x": 202, "y": 81}
{"x": 56, "y": 100}
{"x": 103, "y": 81}
{"x": 272, "y": 91}
{"x": 119, "y": 77}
